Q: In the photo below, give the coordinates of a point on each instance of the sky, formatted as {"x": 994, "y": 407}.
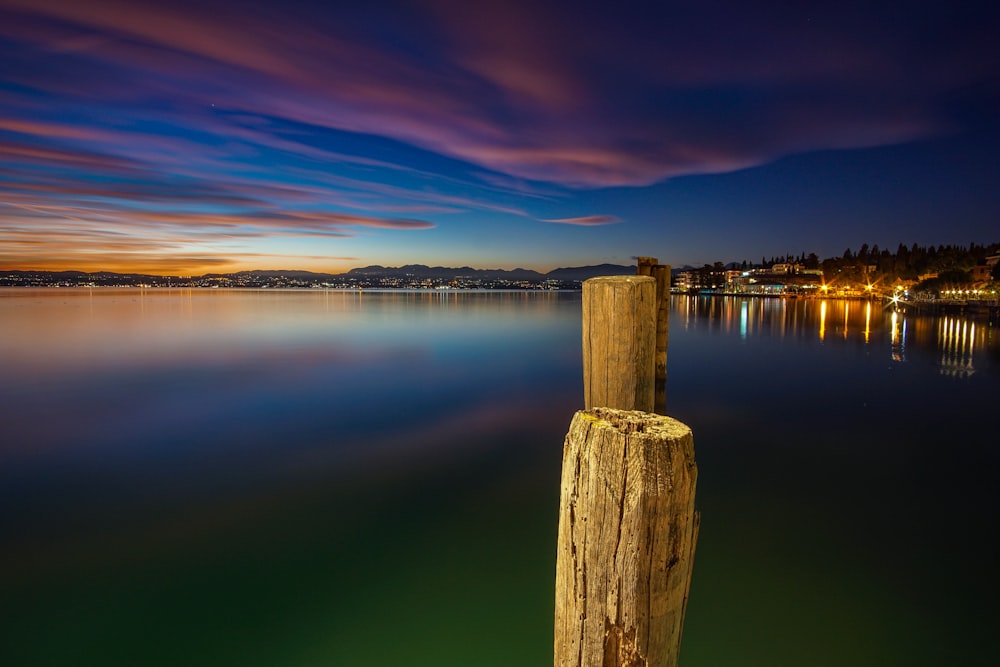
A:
{"x": 196, "y": 136}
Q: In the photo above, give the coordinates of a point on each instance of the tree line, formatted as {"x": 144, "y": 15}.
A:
{"x": 951, "y": 263}
{"x": 932, "y": 266}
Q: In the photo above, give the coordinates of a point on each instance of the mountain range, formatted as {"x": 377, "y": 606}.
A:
{"x": 447, "y": 273}
{"x": 412, "y": 271}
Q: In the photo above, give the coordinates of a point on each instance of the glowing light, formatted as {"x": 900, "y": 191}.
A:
{"x": 868, "y": 321}
{"x": 897, "y": 337}
{"x": 822, "y": 320}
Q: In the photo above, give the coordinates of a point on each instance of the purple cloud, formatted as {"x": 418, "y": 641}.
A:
{"x": 197, "y": 123}
{"x": 579, "y": 98}
{"x": 587, "y": 220}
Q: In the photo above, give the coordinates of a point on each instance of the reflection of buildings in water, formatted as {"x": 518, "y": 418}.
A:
{"x": 959, "y": 346}
{"x": 688, "y": 311}
{"x": 868, "y": 320}
{"x": 829, "y": 318}
{"x": 897, "y": 336}
{"x": 778, "y": 317}
{"x": 755, "y": 315}
{"x": 822, "y": 320}
{"x": 957, "y": 341}
{"x": 849, "y": 310}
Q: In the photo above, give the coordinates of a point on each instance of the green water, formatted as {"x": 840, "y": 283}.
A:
{"x": 300, "y": 479}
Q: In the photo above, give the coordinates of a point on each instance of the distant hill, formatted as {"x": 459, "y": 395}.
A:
{"x": 447, "y": 273}
{"x": 275, "y": 273}
{"x": 412, "y": 271}
{"x": 585, "y": 272}
{"x": 443, "y": 272}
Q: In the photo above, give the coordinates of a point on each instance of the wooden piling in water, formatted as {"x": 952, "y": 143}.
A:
{"x": 650, "y": 266}
{"x": 619, "y": 342}
{"x": 627, "y": 534}
{"x": 627, "y": 525}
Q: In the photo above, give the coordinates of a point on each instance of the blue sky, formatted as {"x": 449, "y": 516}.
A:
{"x": 185, "y": 137}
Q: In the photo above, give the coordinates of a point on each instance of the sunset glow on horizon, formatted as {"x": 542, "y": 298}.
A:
{"x": 183, "y": 138}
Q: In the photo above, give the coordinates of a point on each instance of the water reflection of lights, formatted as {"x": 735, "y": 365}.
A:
{"x": 897, "y": 336}
{"x": 868, "y": 320}
{"x": 957, "y": 341}
{"x": 956, "y": 345}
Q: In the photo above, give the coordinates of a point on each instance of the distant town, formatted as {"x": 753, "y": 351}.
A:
{"x": 919, "y": 272}
{"x": 941, "y": 272}
{"x": 414, "y": 276}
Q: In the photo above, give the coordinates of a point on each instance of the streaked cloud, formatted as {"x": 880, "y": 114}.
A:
{"x": 521, "y": 88}
{"x": 261, "y": 118}
{"x": 587, "y": 220}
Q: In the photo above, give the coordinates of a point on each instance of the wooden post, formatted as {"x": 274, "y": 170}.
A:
{"x": 619, "y": 342}
{"x": 627, "y": 533}
{"x": 644, "y": 265}
{"x": 650, "y": 266}
{"x": 662, "y": 274}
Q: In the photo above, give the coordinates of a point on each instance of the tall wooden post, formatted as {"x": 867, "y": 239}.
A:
{"x": 627, "y": 525}
{"x": 619, "y": 342}
{"x": 650, "y": 266}
{"x": 644, "y": 265}
{"x": 627, "y": 533}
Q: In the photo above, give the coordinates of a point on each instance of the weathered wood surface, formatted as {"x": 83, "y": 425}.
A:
{"x": 662, "y": 274}
{"x": 650, "y": 266}
{"x": 644, "y": 265}
{"x": 619, "y": 342}
{"x": 627, "y": 533}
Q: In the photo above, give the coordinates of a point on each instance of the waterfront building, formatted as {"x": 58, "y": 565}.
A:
{"x": 684, "y": 281}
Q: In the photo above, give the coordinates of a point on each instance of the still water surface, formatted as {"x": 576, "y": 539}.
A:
{"x": 213, "y": 477}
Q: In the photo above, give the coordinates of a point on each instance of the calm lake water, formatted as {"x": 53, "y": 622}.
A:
{"x": 333, "y": 478}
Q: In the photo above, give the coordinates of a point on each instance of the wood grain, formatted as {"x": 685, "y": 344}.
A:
{"x": 627, "y": 533}
{"x": 619, "y": 342}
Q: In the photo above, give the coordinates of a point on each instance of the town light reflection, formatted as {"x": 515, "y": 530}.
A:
{"x": 897, "y": 336}
{"x": 868, "y": 321}
{"x": 956, "y": 345}
{"x": 957, "y": 342}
